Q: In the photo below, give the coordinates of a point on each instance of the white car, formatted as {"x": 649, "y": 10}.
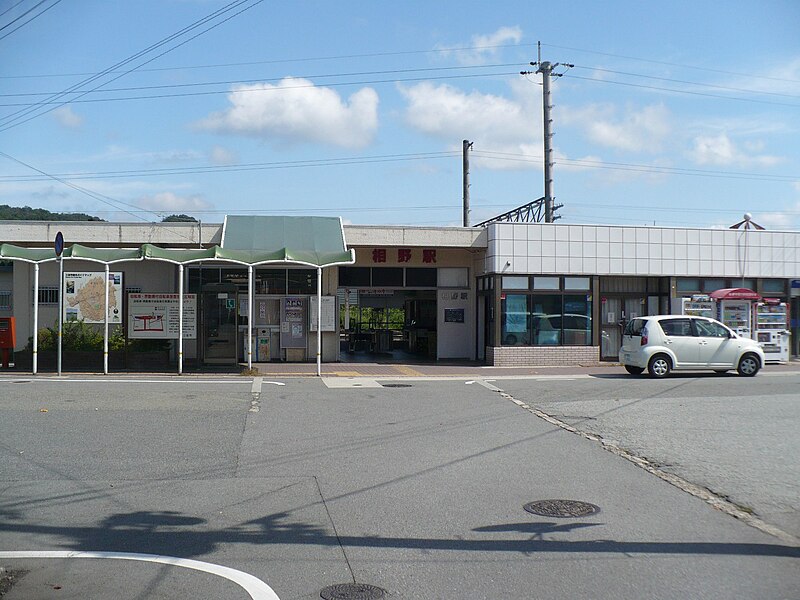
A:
{"x": 661, "y": 343}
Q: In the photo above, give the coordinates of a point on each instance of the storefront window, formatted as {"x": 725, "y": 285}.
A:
{"x": 712, "y": 285}
{"x": 576, "y": 283}
{"x": 546, "y": 311}
{"x": 546, "y": 319}
{"x": 773, "y": 286}
{"x": 515, "y": 322}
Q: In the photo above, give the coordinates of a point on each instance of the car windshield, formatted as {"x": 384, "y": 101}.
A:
{"x": 635, "y": 326}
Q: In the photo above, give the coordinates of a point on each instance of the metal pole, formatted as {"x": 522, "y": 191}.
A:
{"x": 249, "y": 316}
{"x": 319, "y": 321}
{"x": 105, "y": 330}
{"x": 180, "y": 319}
{"x": 60, "y": 309}
{"x": 466, "y": 145}
{"x": 545, "y": 69}
{"x": 35, "y": 317}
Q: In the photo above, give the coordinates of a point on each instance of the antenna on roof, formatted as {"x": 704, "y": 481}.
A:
{"x": 747, "y": 223}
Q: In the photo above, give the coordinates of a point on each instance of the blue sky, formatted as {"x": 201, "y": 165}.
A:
{"x": 674, "y": 114}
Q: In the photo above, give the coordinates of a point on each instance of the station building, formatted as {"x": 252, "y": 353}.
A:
{"x": 502, "y": 294}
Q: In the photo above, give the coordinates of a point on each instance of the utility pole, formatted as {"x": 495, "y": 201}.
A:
{"x": 546, "y": 69}
{"x": 466, "y": 145}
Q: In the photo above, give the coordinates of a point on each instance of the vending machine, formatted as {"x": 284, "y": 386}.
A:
{"x": 735, "y": 309}
{"x": 772, "y": 331}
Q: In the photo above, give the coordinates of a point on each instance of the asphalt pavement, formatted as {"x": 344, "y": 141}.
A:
{"x": 375, "y": 474}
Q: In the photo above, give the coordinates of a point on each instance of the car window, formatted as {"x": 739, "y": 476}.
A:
{"x": 678, "y": 327}
{"x": 635, "y": 326}
{"x": 710, "y": 329}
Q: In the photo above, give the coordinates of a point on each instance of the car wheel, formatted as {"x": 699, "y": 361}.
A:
{"x": 748, "y": 365}
{"x": 634, "y": 370}
{"x": 659, "y": 366}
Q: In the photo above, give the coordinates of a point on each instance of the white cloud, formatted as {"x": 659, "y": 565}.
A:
{"x": 483, "y": 48}
{"x": 222, "y": 156}
{"x": 65, "y": 117}
{"x": 493, "y": 123}
{"x": 296, "y": 110}
{"x": 168, "y": 202}
{"x": 720, "y": 150}
{"x": 641, "y": 130}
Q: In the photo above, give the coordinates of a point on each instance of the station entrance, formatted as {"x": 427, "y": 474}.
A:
{"x": 387, "y": 325}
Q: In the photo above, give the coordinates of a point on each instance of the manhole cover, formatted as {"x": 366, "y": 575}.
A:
{"x": 352, "y": 591}
{"x": 561, "y": 508}
{"x": 396, "y": 385}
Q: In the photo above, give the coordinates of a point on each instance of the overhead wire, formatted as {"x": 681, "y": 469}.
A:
{"x": 22, "y": 116}
{"x": 37, "y": 15}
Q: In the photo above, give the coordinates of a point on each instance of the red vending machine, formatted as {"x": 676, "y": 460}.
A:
{"x": 735, "y": 309}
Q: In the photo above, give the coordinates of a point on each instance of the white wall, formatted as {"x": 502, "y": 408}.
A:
{"x": 656, "y": 251}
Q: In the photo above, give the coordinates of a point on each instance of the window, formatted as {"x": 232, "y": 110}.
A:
{"x": 546, "y": 283}
{"x": 687, "y": 285}
{"x": 709, "y": 329}
{"x": 546, "y": 319}
{"x": 712, "y": 285}
{"x": 5, "y": 300}
{"x": 515, "y": 282}
{"x": 271, "y": 281}
{"x": 354, "y": 277}
{"x": 421, "y": 277}
{"x": 302, "y": 281}
{"x": 773, "y": 286}
{"x": 48, "y": 295}
{"x": 457, "y": 277}
{"x": 515, "y": 325}
{"x": 387, "y": 277}
{"x": 676, "y": 327}
{"x": 576, "y": 283}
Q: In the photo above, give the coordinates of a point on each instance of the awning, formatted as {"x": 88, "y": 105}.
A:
{"x": 313, "y": 241}
{"x": 735, "y": 294}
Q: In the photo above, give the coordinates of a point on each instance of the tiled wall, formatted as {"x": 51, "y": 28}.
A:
{"x": 525, "y": 356}
{"x": 616, "y": 250}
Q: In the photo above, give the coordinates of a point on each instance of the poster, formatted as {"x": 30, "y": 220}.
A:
{"x": 293, "y": 322}
{"x": 328, "y": 313}
{"x": 85, "y": 297}
{"x": 155, "y": 316}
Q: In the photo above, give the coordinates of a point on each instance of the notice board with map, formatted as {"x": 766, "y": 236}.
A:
{"x": 156, "y": 316}
{"x": 85, "y": 297}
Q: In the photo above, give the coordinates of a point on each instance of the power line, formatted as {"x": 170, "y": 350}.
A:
{"x": 676, "y": 91}
{"x": 18, "y": 117}
{"x": 671, "y": 64}
{"x": 272, "y": 89}
{"x": 233, "y": 168}
{"x": 34, "y": 7}
{"x": 709, "y": 85}
{"x": 283, "y": 60}
{"x": 271, "y": 79}
{"x": 637, "y": 167}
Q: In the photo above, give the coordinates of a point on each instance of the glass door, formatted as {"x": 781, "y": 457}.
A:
{"x": 610, "y": 331}
{"x": 219, "y": 325}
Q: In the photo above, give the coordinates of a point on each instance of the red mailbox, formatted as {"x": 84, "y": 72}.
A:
{"x": 8, "y": 338}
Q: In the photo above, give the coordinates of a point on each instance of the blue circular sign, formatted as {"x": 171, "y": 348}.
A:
{"x": 59, "y": 244}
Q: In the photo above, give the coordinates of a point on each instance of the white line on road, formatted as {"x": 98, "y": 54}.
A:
{"x": 257, "y": 589}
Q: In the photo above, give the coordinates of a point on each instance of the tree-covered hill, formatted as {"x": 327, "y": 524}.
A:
{"x": 26, "y": 213}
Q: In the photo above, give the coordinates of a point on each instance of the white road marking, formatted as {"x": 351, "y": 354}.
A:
{"x": 257, "y": 589}
{"x": 256, "y": 389}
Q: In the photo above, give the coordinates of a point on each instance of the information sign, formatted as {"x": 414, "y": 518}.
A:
{"x": 156, "y": 316}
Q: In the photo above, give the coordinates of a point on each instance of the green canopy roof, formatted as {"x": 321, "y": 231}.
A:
{"x": 313, "y": 241}
{"x": 316, "y": 241}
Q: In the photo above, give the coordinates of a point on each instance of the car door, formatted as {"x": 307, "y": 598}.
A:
{"x": 717, "y": 348}
{"x": 679, "y": 337}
